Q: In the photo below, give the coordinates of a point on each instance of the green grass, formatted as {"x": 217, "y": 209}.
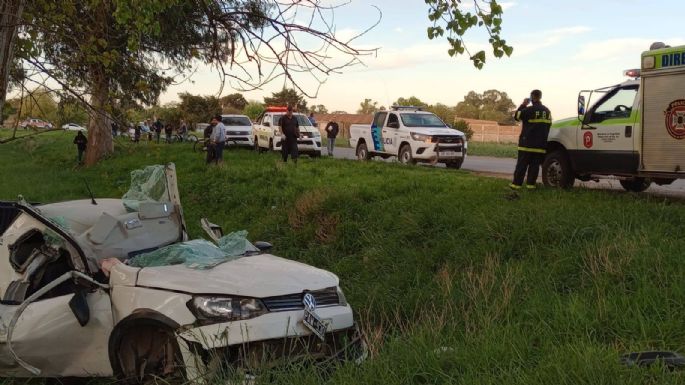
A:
{"x": 497, "y": 150}
{"x": 453, "y": 280}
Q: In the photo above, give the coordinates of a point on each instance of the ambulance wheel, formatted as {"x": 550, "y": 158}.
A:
{"x": 636, "y": 184}
{"x": 556, "y": 170}
{"x": 455, "y": 164}
{"x": 405, "y": 155}
{"x": 363, "y": 151}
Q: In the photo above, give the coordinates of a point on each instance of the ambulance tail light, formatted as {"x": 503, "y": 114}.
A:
{"x": 632, "y": 73}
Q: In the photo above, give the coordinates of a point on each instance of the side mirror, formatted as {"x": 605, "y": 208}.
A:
{"x": 263, "y": 246}
{"x": 266, "y": 124}
{"x": 394, "y": 124}
{"x": 581, "y": 105}
{"x": 79, "y": 306}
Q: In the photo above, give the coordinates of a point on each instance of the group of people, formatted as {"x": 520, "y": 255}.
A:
{"x": 155, "y": 128}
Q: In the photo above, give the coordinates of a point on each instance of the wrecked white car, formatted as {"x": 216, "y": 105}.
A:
{"x": 77, "y": 303}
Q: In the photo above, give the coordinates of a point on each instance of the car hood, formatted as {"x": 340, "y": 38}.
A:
{"x": 256, "y": 276}
{"x": 435, "y": 131}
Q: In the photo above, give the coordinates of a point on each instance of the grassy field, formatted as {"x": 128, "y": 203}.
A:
{"x": 453, "y": 279}
{"x": 497, "y": 150}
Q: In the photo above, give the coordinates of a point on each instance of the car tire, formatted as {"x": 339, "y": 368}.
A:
{"x": 636, "y": 184}
{"x": 405, "y": 156}
{"x": 455, "y": 164}
{"x": 557, "y": 171}
{"x": 362, "y": 151}
{"x": 141, "y": 354}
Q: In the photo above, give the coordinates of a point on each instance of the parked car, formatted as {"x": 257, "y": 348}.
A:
{"x": 268, "y": 135}
{"x": 410, "y": 134}
{"x": 73, "y": 127}
{"x": 238, "y": 130}
{"x": 35, "y": 123}
{"x": 77, "y": 303}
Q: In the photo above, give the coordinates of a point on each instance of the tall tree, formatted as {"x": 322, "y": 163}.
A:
{"x": 368, "y": 106}
{"x": 443, "y": 111}
{"x": 287, "y": 97}
{"x": 233, "y": 102}
{"x": 319, "y": 109}
{"x": 10, "y": 16}
{"x": 411, "y": 101}
{"x": 490, "y": 105}
{"x": 106, "y": 52}
{"x": 253, "y": 109}
{"x": 198, "y": 109}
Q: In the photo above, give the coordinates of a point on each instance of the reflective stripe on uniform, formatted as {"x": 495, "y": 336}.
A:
{"x": 529, "y": 149}
{"x": 518, "y": 115}
{"x": 540, "y": 121}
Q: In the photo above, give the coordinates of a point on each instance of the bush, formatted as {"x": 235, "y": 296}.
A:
{"x": 463, "y": 126}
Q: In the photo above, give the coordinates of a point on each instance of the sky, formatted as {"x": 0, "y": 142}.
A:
{"x": 560, "y": 47}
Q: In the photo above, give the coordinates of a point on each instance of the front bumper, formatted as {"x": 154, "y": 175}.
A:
{"x": 239, "y": 140}
{"x": 265, "y": 340}
{"x": 439, "y": 152}
{"x": 304, "y": 145}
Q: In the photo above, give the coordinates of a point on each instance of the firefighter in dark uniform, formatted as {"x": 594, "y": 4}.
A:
{"x": 536, "y": 120}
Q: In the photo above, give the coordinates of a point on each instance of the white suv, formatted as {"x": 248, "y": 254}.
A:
{"x": 268, "y": 136}
{"x": 238, "y": 130}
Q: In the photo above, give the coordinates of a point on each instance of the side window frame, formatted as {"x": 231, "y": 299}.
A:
{"x": 592, "y": 117}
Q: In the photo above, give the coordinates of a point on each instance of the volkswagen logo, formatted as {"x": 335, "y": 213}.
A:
{"x": 309, "y": 302}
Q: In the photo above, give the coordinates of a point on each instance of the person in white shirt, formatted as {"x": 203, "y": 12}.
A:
{"x": 217, "y": 140}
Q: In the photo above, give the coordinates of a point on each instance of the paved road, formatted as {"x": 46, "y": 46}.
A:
{"x": 504, "y": 167}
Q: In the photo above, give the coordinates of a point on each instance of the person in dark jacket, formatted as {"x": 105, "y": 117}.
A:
{"x": 536, "y": 121}
{"x": 158, "y": 126}
{"x": 168, "y": 130}
{"x": 81, "y": 143}
{"x": 207, "y": 134}
{"x": 332, "y": 129}
{"x": 290, "y": 128}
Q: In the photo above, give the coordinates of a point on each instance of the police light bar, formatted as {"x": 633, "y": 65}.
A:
{"x": 276, "y": 109}
{"x": 635, "y": 73}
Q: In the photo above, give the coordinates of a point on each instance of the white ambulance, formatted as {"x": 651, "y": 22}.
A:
{"x": 410, "y": 134}
{"x": 633, "y": 131}
{"x": 268, "y": 136}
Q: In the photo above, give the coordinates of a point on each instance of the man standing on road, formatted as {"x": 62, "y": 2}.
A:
{"x": 332, "y": 129}
{"x": 536, "y": 120}
{"x": 218, "y": 139}
{"x": 290, "y": 128}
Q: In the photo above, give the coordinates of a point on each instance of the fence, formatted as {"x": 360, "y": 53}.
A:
{"x": 494, "y": 133}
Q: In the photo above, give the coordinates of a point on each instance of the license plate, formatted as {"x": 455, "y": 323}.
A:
{"x": 314, "y": 323}
{"x": 448, "y": 153}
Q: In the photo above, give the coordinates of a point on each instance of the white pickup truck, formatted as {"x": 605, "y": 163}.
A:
{"x": 410, "y": 134}
{"x": 268, "y": 136}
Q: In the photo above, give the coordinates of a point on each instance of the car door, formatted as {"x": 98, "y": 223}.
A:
{"x": 391, "y": 133}
{"x": 47, "y": 334}
{"x": 377, "y": 128}
{"x": 606, "y": 140}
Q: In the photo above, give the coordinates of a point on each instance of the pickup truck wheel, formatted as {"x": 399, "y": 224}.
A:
{"x": 636, "y": 184}
{"x": 455, "y": 164}
{"x": 363, "y": 151}
{"x": 556, "y": 170}
{"x": 405, "y": 155}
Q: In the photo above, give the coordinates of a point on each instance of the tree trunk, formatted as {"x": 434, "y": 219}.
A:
{"x": 100, "y": 142}
{"x": 10, "y": 14}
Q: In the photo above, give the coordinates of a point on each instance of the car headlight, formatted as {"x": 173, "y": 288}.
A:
{"x": 422, "y": 137}
{"x": 276, "y": 132}
{"x": 342, "y": 301}
{"x": 210, "y": 310}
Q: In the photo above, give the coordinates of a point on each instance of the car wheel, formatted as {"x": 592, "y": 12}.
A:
{"x": 405, "y": 155}
{"x": 455, "y": 164}
{"x": 636, "y": 184}
{"x": 557, "y": 171}
{"x": 363, "y": 151}
{"x": 146, "y": 352}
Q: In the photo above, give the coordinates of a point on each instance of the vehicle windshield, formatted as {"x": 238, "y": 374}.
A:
{"x": 301, "y": 119}
{"x": 421, "y": 120}
{"x": 236, "y": 121}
